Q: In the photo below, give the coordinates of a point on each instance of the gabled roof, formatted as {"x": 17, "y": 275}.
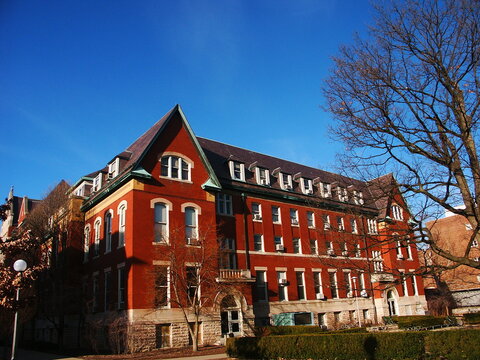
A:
{"x": 381, "y": 191}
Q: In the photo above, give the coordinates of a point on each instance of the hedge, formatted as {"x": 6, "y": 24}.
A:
{"x": 404, "y": 322}
{"x": 450, "y": 345}
{"x": 301, "y": 330}
{"x": 472, "y": 318}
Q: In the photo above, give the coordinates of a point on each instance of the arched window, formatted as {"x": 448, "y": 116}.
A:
{"x": 191, "y": 225}
{"x": 121, "y": 224}
{"x": 108, "y": 231}
{"x": 161, "y": 223}
{"x": 175, "y": 167}
{"x": 86, "y": 243}
{"x": 96, "y": 229}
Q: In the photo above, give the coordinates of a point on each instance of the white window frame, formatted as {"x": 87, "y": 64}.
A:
{"x": 167, "y": 286}
{"x": 347, "y": 275}
{"x": 306, "y": 186}
{"x": 372, "y": 226}
{"x": 262, "y": 245}
{"x": 353, "y": 225}
{"x": 414, "y": 283}
{"x": 256, "y": 211}
{"x": 326, "y": 222}
{"x": 318, "y": 284}
{"x": 334, "y": 284}
{"x": 122, "y": 220}
{"x": 86, "y": 242}
{"x": 298, "y": 241}
{"x": 262, "y": 176}
{"x": 311, "y": 219}
{"x": 97, "y": 228}
{"x": 301, "y": 291}
{"x": 409, "y": 249}
{"x": 286, "y": 181}
{"x": 169, "y": 166}
{"x": 315, "y": 243}
{"x": 97, "y": 182}
{"x": 397, "y": 212}
{"x": 114, "y": 168}
{"x": 403, "y": 280}
{"x": 344, "y": 248}
{"x": 241, "y": 168}
{"x": 278, "y": 240}
{"x": 325, "y": 190}
{"x": 340, "y": 223}
{"x": 224, "y": 204}
{"x": 276, "y": 214}
{"x": 330, "y": 249}
{"x": 294, "y": 217}
{"x": 358, "y": 197}
{"x": 282, "y": 287}
{"x": 191, "y": 230}
{"x": 342, "y": 194}
{"x": 261, "y": 282}
{"x": 108, "y": 229}
{"x": 358, "y": 252}
{"x": 163, "y": 224}
{"x": 377, "y": 261}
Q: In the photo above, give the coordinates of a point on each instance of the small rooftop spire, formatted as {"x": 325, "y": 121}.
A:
{"x": 10, "y": 194}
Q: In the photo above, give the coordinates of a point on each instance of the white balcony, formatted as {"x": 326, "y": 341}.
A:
{"x": 382, "y": 277}
{"x": 235, "y": 275}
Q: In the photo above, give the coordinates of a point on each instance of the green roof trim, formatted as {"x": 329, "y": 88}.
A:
{"x": 210, "y": 184}
{"x": 141, "y": 172}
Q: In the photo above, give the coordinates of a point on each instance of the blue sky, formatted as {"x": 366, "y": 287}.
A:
{"x": 81, "y": 80}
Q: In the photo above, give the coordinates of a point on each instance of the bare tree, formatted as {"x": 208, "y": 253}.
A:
{"x": 406, "y": 99}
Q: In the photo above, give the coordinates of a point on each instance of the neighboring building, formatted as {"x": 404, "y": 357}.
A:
{"x": 452, "y": 233}
{"x": 293, "y": 244}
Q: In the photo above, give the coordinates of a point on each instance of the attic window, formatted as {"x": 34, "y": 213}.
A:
{"x": 358, "y": 197}
{"x": 97, "y": 182}
{"x": 263, "y": 176}
{"x": 113, "y": 168}
{"x": 342, "y": 194}
{"x": 397, "y": 212}
{"x": 326, "y": 190}
{"x": 286, "y": 181}
{"x": 307, "y": 186}
{"x": 237, "y": 170}
{"x": 175, "y": 167}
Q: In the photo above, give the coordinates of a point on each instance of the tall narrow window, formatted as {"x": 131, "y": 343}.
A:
{"x": 121, "y": 287}
{"x": 326, "y": 222}
{"x": 278, "y": 240}
{"x": 256, "y": 212}
{"x": 404, "y": 283}
{"x": 353, "y": 225}
{"x": 161, "y": 223}
{"x": 108, "y": 232}
{"x": 317, "y": 282}
{"x": 414, "y": 283}
{"x": 340, "y": 224}
{"x": 348, "y": 283}
{"x": 161, "y": 286}
{"x": 175, "y": 167}
{"x": 121, "y": 225}
{"x": 344, "y": 247}
{"x": 191, "y": 226}
{"x": 162, "y": 335}
{"x": 377, "y": 261}
{"x": 261, "y": 286}
{"x": 275, "y": 214}
{"x": 313, "y": 247}
{"x": 397, "y": 212}
{"x": 258, "y": 242}
{"x": 310, "y": 219}
{"x": 192, "y": 284}
{"x": 86, "y": 243}
{"x": 286, "y": 181}
{"x": 372, "y": 226}
{"x": 294, "y": 217}
{"x": 297, "y": 246}
{"x": 333, "y": 284}
{"x": 108, "y": 289}
{"x": 96, "y": 246}
{"x": 300, "y": 285}
{"x": 224, "y": 204}
{"x": 263, "y": 176}
{"x": 237, "y": 170}
{"x": 282, "y": 286}
{"x": 307, "y": 186}
{"x": 409, "y": 248}
{"x": 326, "y": 190}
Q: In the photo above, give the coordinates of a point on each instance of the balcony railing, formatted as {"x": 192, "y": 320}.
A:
{"x": 235, "y": 275}
{"x": 382, "y": 277}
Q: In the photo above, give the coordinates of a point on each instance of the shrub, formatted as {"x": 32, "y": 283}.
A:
{"x": 404, "y": 322}
{"x": 350, "y": 330}
{"x": 453, "y": 345}
{"x": 472, "y": 318}
{"x": 288, "y": 330}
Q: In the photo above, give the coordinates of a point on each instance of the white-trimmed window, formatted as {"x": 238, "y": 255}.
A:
{"x": 107, "y": 287}
{"x": 256, "y": 212}
{"x": 403, "y": 280}
{"x": 237, "y": 170}
{"x": 258, "y": 242}
{"x": 318, "y": 286}
{"x": 329, "y": 247}
{"x": 353, "y": 225}
{"x": 286, "y": 181}
{"x": 276, "y": 215}
{"x": 307, "y": 186}
{"x": 261, "y": 285}
{"x": 227, "y": 258}
{"x": 97, "y": 182}
{"x": 278, "y": 242}
{"x": 310, "y": 219}
{"x": 193, "y": 284}
{"x": 297, "y": 246}
{"x": 96, "y": 228}
{"x": 372, "y": 226}
{"x": 114, "y": 168}
{"x": 161, "y": 228}
{"x": 314, "y": 246}
{"x": 326, "y": 222}
{"x": 415, "y": 287}
{"x": 344, "y": 247}
{"x": 398, "y": 244}
{"x": 263, "y": 176}
{"x": 224, "y": 204}
{"x": 294, "y": 217}
{"x": 108, "y": 231}
{"x": 326, "y": 190}
{"x": 358, "y": 252}
{"x": 162, "y": 286}
{"x": 86, "y": 242}
{"x": 121, "y": 287}
{"x": 175, "y": 167}
{"x": 300, "y": 277}
{"x": 332, "y": 275}
{"x": 122, "y": 209}
{"x": 397, "y": 212}
{"x": 340, "y": 224}
{"x": 282, "y": 286}
{"x": 347, "y": 276}
{"x": 377, "y": 261}
{"x": 358, "y": 197}
{"x": 191, "y": 225}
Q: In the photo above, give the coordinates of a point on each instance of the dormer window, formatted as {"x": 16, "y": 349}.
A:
{"x": 358, "y": 197}
{"x": 82, "y": 189}
{"x": 113, "y": 168}
{"x": 237, "y": 170}
{"x": 397, "y": 212}
{"x": 286, "y": 181}
{"x": 97, "y": 182}
{"x": 175, "y": 167}
{"x": 342, "y": 194}
{"x": 326, "y": 190}
{"x": 263, "y": 176}
{"x": 307, "y": 186}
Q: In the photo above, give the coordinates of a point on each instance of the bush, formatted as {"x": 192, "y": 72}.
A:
{"x": 288, "y": 330}
{"x": 472, "y": 318}
{"x": 453, "y": 345}
{"x": 404, "y": 322}
{"x": 350, "y": 330}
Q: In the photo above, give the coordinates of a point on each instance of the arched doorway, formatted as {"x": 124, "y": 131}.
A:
{"x": 392, "y": 303}
{"x": 231, "y": 316}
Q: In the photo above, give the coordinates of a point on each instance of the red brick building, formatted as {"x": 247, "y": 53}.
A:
{"x": 292, "y": 244}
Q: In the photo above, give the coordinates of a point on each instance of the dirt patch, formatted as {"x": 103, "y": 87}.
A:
{"x": 160, "y": 354}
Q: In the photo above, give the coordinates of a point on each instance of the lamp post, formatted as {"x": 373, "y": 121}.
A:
{"x": 354, "y": 278}
{"x": 19, "y": 266}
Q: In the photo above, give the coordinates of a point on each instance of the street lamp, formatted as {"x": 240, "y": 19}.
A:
{"x": 19, "y": 266}
{"x": 354, "y": 278}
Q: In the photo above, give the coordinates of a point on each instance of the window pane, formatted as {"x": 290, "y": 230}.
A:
{"x": 184, "y": 170}
{"x": 190, "y": 216}
{"x": 164, "y": 170}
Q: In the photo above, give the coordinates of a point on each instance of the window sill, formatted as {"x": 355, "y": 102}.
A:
{"x": 160, "y": 243}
